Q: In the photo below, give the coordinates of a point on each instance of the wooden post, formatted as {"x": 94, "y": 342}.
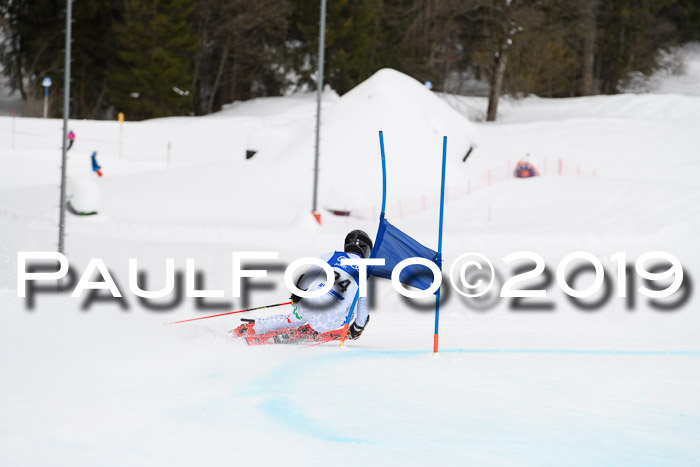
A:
{"x": 120, "y": 117}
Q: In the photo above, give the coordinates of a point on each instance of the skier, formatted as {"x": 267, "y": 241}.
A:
{"x": 95, "y": 166}
{"x": 326, "y": 314}
{"x": 71, "y": 139}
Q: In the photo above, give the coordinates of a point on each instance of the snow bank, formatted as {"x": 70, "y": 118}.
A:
{"x": 83, "y": 194}
{"x": 413, "y": 120}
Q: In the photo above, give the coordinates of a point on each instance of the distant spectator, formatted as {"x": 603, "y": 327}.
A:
{"x": 95, "y": 166}
{"x": 71, "y": 139}
{"x": 525, "y": 169}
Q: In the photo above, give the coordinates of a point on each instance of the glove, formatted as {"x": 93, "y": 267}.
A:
{"x": 295, "y": 299}
{"x": 354, "y": 331}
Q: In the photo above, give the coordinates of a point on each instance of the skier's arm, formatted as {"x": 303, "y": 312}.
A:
{"x": 361, "y": 319}
{"x": 362, "y": 312}
{"x": 306, "y": 279}
{"x": 309, "y": 276}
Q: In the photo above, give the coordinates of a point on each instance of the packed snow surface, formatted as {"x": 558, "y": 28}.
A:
{"x": 85, "y": 383}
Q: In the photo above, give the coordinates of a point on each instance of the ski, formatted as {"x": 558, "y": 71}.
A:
{"x": 301, "y": 335}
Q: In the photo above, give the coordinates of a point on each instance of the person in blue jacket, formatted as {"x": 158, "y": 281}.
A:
{"x": 95, "y": 166}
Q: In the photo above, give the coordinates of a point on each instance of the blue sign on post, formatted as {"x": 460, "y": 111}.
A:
{"x": 47, "y": 84}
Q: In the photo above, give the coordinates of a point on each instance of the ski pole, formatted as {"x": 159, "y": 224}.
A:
{"x": 344, "y": 333}
{"x": 232, "y": 312}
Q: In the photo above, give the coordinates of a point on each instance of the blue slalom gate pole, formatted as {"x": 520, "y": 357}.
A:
{"x": 354, "y": 302}
{"x": 442, "y": 210}
{"x": 378, "y": 238}
{"x": 381, "y": 145}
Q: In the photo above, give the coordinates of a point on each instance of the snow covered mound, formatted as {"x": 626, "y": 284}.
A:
{"x": 414, "y": 121}
{"x": 644, "y": 107}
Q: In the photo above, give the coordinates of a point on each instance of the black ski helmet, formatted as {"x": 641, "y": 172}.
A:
{"x": 358, "y": 242}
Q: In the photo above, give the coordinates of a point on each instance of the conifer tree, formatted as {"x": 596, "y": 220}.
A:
{"x": 32, "y": 48}
{"x": 153, "y": 75}
{"x": 352, "y": 40}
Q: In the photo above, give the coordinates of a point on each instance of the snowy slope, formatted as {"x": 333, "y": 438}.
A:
{"x": 108, "y": 386}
